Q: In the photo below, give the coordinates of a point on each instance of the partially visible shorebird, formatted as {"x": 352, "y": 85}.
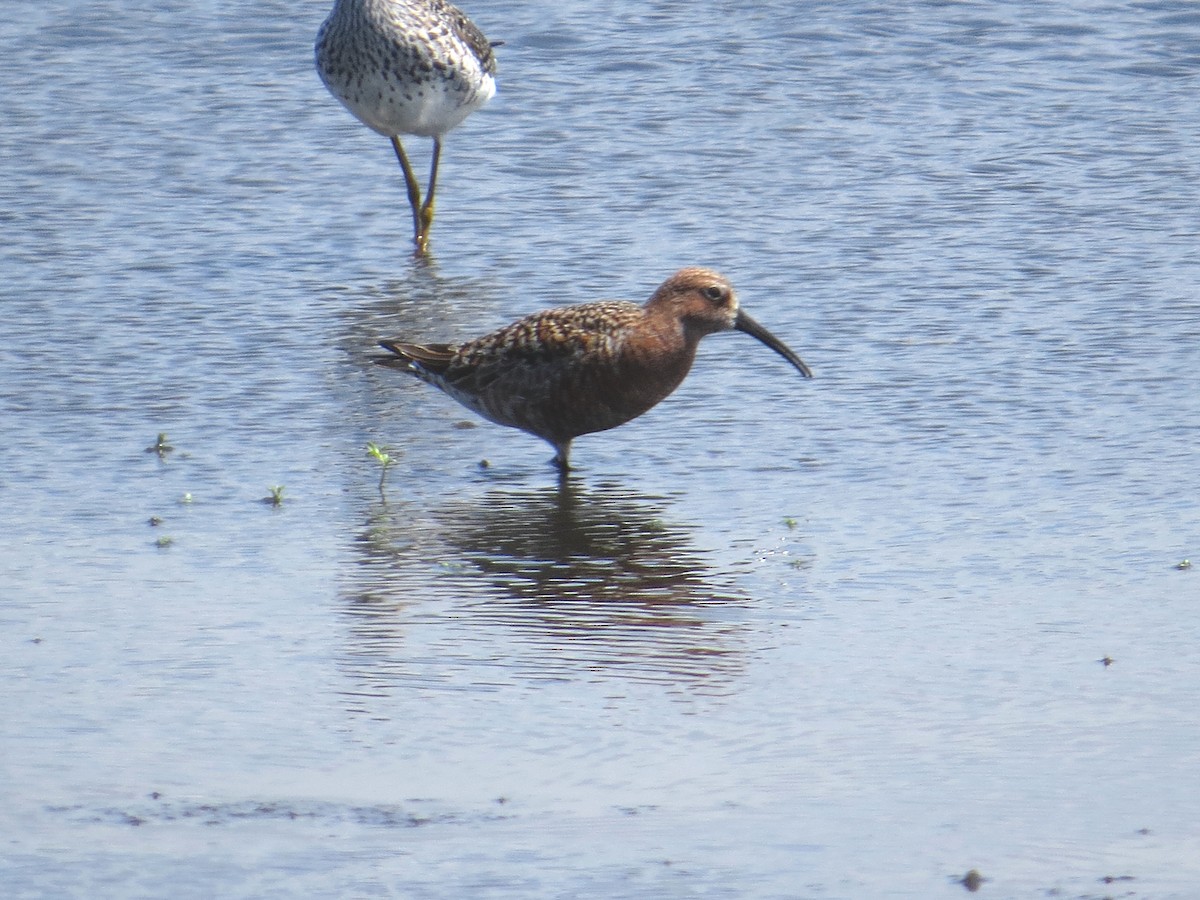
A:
{"x": 407, "y": 67}
{"x": 574, "y": 370}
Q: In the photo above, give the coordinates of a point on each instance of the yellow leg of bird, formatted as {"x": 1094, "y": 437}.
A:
{"x": 414, "y": 196}
{"x": 427, "y": 207}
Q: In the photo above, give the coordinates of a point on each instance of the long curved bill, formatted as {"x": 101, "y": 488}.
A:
{"x": 752, "y": 328}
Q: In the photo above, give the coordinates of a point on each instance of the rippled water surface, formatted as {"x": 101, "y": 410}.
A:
{"x": 850, "y": 637}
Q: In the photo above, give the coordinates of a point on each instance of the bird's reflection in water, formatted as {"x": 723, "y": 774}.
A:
{"x": 561, "y": 583}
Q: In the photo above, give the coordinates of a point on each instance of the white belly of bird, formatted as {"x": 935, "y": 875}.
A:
{"x": 428, "y": 109}
{"x": 393, "y": 101}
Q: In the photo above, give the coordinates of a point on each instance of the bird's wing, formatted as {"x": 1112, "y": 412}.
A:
{"x": 552, "y": 334}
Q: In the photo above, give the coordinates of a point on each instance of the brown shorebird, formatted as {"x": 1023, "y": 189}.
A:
{"x": 569, "y": 371}
{"x": 407, "y": 67}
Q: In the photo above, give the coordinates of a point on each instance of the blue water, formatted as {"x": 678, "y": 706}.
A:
{"x": 838, "y": 638}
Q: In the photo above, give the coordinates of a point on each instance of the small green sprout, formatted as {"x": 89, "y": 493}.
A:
{"x": 790, "y": 523}
{"x": 275, "y": 498}
{"x": 384, "y": 459}
{"x": 163, "y": 542}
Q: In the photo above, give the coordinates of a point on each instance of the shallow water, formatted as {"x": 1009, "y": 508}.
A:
{"x": 778, "y": 638}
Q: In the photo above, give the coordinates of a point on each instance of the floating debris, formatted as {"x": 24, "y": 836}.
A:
{"x": 972, "y": 881}
{"x": 160, "y": 446}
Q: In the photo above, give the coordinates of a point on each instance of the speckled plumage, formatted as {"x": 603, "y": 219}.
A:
{"x": 407, "y": 67}
{"x": 575, "y": 370}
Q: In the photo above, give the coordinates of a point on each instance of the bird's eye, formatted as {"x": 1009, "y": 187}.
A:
{"x": 714, "y": 293}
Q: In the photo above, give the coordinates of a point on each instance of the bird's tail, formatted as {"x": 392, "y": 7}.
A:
{"x": 434, "y": 358}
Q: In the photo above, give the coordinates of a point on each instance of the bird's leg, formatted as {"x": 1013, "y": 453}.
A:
{"x": 414, "y": 194}
{"x": 427, "y": 208}
{"x": 562, "y": 456}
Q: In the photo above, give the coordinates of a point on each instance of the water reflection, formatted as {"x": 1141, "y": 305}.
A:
{"x": 418, "y": 301}
{"x": 559, "y": 582}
